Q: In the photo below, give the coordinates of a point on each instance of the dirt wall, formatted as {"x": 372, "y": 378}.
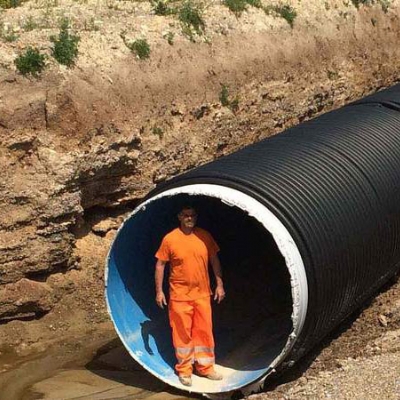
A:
{"x": 79, "y": 146}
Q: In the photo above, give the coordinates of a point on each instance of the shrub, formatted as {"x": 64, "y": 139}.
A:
{"x": 224, "y": 96}
{"x": 65, "y": 49}
{"x": 385, "y": 4}
{"x": 30, "y": 62}
{"x": 158, "y": 131}
{"x": 238, "y": 6}
{"x": 161, "y": 7}
{"x": 191, "y": 17}
{"x": 285, "y": 11}
{"x": 332, "y": 75}
{"x": 357, "y": 3}
{"x": 225, "y": 101}
{"x": 10, "y": 3}
{"x": 254, "y": 3}
{"x": 140, "y": 47}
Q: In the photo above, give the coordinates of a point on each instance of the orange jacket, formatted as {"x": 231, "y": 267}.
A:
{"x": 188, "y": 256}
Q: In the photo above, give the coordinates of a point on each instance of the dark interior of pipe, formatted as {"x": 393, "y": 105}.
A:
{"x": 251, "y": 326}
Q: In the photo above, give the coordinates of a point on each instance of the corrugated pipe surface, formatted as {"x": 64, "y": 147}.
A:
{"x": 308, "y": 222}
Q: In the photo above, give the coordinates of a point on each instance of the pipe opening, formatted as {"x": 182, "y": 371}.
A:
{"x": 257, "y": 323}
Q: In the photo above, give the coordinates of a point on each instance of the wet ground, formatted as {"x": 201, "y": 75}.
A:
{"x": 86, "y": 370}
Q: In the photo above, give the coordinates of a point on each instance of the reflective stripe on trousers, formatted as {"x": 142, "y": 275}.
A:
{"x": 191, "y": 324}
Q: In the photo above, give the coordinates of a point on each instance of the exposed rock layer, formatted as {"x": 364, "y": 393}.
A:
{"x": 72, "y": 141}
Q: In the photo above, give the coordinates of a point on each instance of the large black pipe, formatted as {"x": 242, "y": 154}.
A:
{"x": 333, "y": 186}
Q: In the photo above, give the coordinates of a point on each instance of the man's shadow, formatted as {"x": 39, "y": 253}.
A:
{"x": 158, "y": 330}
{"x": 113, "y": 362}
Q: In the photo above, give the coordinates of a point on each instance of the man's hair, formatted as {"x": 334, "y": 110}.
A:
{"x": 187, "y": 207}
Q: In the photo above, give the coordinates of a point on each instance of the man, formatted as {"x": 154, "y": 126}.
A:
{"x": 189, "y": 249}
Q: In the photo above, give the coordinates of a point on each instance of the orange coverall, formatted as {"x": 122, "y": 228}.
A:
{"x": 190, "y": 304}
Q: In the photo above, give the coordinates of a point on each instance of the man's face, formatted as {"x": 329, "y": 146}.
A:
{"x": 188, "y": 218}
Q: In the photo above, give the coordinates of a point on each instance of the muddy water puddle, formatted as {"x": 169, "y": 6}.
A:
{"x": 84, "y": 369}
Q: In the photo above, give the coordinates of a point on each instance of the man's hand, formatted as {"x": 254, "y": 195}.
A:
{"x": 159, "y": 277}
{"x": 219, "y": 294}
{"x": 160, "y": 300}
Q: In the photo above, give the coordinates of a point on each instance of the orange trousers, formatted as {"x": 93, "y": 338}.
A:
{"x": 191, "y": 324}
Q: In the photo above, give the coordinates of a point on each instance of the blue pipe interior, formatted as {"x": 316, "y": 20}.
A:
{"x": 251, "y": 326}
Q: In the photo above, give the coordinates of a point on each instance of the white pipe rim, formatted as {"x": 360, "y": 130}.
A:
{"x": 282, "y": 238}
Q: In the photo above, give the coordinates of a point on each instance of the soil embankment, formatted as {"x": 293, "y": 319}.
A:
{"x": 80, "y": 146}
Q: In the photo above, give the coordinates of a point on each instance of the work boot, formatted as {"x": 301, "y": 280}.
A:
{"x": 186, "y": 380}
{"x": 213, "y": 376}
